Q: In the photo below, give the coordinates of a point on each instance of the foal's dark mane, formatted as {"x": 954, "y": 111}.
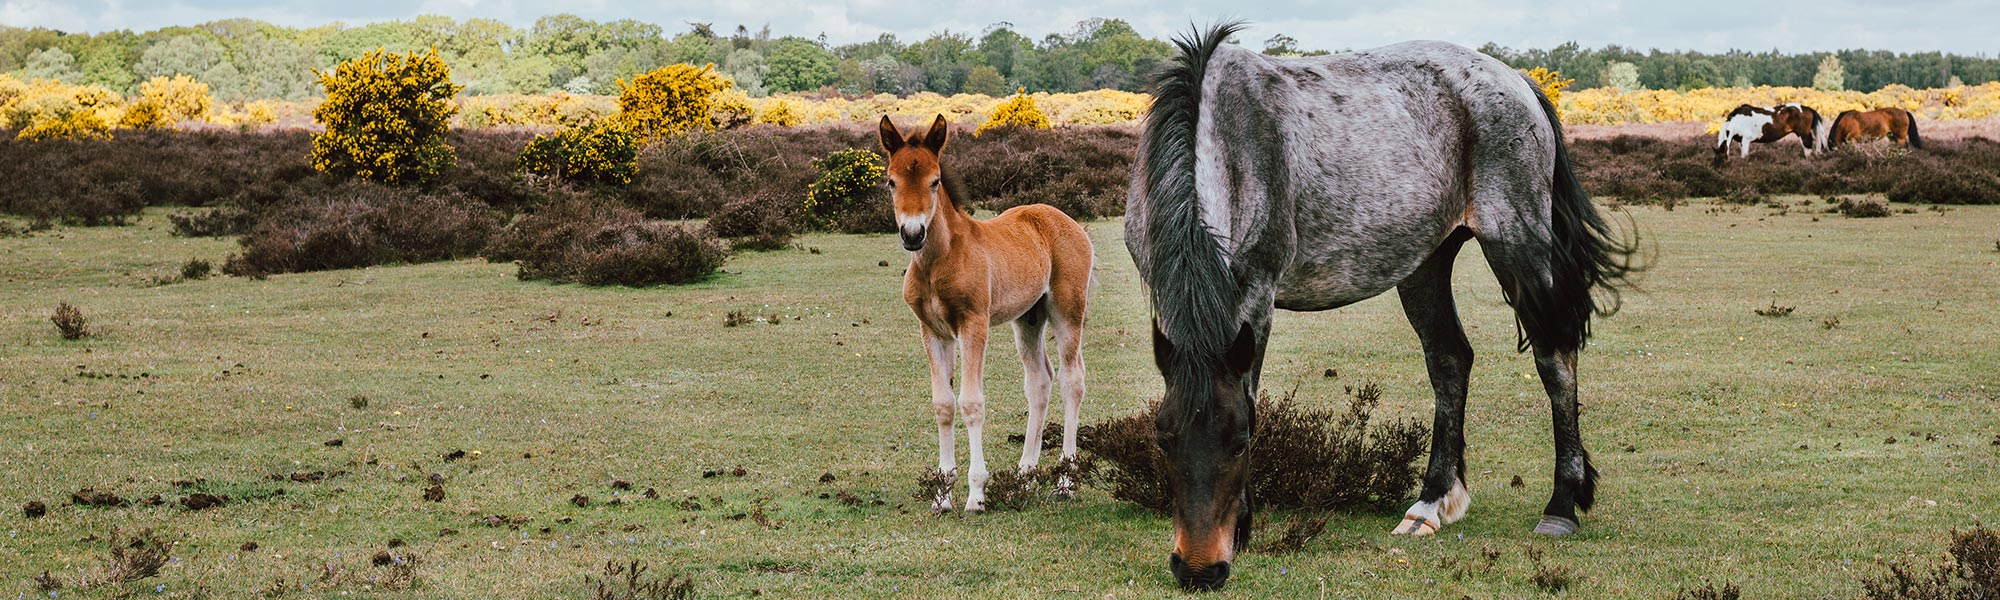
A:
{"x": 1195, "y": 295}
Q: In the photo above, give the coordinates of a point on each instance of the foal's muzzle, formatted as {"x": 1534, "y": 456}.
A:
{"x": 913, "y": 237}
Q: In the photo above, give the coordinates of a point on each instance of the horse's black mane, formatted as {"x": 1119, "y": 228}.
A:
{"x": 1194, "y": 294}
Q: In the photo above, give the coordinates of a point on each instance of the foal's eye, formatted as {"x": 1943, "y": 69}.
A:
{"x": 935, "y": 184}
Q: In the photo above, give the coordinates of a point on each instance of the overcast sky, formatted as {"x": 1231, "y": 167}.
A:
{"x": 1960, "y": 26}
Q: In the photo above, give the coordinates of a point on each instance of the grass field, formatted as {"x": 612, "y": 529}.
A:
{"x": 1735, "y": 447}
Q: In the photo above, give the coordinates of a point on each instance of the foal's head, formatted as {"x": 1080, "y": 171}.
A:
{"x": 916, "y": 180}
{"x": 1205, "y": 427}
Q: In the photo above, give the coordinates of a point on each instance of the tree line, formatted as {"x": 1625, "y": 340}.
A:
{"x": 247, "y": 59}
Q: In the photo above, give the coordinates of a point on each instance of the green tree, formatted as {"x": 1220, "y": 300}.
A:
{"x": 1622, "y": 75}
{"x": 179, "y": 55}
{"x": 51, "y": 63}
{"x": 1831, "y": 75}
{"x": 797, "y": 65}
{"x": 985, "y": 80}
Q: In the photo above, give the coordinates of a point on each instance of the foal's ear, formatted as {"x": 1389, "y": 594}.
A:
{"x": 892, "y": 140}
{"x": 1163, "y": 350}
{"x": 936, "y": 138}
{"x": 1243, "y": 352}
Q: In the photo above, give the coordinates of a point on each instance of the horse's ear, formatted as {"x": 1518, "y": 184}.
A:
{"x": 936, "y": 138}
{"x": 1242, "y": 352}
{"x": 1163, "y": 350}
{"x": 892, "y": 140}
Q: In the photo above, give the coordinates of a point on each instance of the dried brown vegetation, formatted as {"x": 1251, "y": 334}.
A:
{"x": 1971, "y": 571}
{"x": 629, "y": 582}
{"x": 70, "y": 322}
{"x": 1351, "y": 465}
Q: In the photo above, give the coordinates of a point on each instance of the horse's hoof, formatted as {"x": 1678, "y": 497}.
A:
{"x": 941, "y": 504}
{"x": 973, "y": 508}
{"x": 1556, "y": 526}
{"x": 1415, "y": 525}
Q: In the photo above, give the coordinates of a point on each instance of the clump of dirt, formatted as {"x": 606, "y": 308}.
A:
{"x": 382, "y": 558}
{"x": 454, "y": 455}
{"x": 650, "y": 494}
{"x": 34, "y": 509}
{"x": 1517, "y": 483}
{"x": 827, "y": 477}
{"x": 620, "y": 484}
{"x": 96, "y": 497}
{"x": 735, "y": 318}
{"x": 738, "y": 471}
{"x": 335, "y": 443}
{"x": 47, "y": 584}
{"x": 248, "y": 547}
{"x": 580, "y": 500}
{"x": 358, "y": 402}
{"x": 153, "y": 500}
{"x": 434, "y": 493}
{"x": 203, "y": 501}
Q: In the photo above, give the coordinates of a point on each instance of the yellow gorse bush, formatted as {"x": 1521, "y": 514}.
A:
{"x": 1018, "y": 111}
{"x": 164, "y": 101}
{"x": 385, "y": 117}
{"x": 603, "y": 153}
{"x": 1552, "y": 83}
{"x": 1607, "y": 106}
{"x": 50, "y": 110}
{"x": 783, "y": 112}
{"x": 670, "y": 100}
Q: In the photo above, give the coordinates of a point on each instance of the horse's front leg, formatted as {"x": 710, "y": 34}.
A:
{"x": 972, "y": 402}
{"x": 943, "y": 405}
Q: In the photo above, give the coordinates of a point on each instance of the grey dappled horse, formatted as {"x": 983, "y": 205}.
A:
{"x": 1313, "y": 183}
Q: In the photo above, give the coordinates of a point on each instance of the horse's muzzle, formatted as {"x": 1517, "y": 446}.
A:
{"x": 913, "y": 238}
{"x": 1198, "y": 580}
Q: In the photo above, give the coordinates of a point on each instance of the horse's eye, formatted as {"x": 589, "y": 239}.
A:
{"x": 1241, "y": 448}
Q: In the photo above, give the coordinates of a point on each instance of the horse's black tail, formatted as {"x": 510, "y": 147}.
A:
{"x": 1915, "y": 142}
{"x": 1194, "y": 293}
{"x": 1589, "y": 257}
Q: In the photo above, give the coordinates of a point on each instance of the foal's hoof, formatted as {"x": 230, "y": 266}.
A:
{"x": 1415, "y": 525}
{"x": 941, "y": 504}
{"x": 1065, "y": 488}
{"x": 973, "y": 508}
{"x": 1557, "y": 526}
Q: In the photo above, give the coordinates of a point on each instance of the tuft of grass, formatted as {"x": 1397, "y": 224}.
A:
{"x": 133, "y": 558}
{"x": 196, "y": 269}
{"x": 1300, "y": 528}
{"x": 735, "y": 318}
{"x": 1549, "y": 577}
{"x": 1774, "y": 310}
{"x": 70, "y": 322}
{"x": 1829, "y": 322}
{"x": 629, "y": 582}
{"x": 1708, "y": 591}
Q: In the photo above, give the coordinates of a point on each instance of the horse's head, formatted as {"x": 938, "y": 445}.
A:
{"x": 1205, "y": 428}
{"x": 915, "y": 178}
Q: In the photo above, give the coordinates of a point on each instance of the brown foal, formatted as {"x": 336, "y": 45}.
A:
{"x": 1030, "y": 266}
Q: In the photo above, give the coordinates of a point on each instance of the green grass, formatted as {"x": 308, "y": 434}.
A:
{"x": 1734, "y": 447}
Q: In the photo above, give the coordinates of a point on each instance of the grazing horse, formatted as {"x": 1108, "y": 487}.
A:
{"x": 1761, "y": 125}
{"x": 1030, "y": 266}
{"x": 1312, "y": 183}
{"x": 1894, "y": 123}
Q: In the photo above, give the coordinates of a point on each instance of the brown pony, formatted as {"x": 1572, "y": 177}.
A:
{"x": 1030, "y": 266}
{"x": 1894, "y": 123}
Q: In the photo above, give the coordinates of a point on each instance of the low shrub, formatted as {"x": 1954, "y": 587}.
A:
{"x": 1863, "y": 208}
{"x": 596, "y": 242}
{"x": 212, "y": 222}
{"x": 849, "y": 181}
{"x": 1353, "y": 466}
{"x": 70, "y": 322}
{"x": 604, "y": 153}
{"x": 765, "y": 221}
{"x": 361, "y": 224}
{"x": 1971, "y": 571}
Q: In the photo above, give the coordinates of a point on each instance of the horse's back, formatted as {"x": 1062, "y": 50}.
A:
{"x": 1373, "y": 157}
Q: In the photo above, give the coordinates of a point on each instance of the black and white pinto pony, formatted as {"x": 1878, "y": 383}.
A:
{"x": 1763, "y": 125}
{"x": 1310, "y": 184}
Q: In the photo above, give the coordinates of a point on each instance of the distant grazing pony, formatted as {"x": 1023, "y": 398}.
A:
{"x": 1030, "y": 266}
{"x": 1894, "y": 123}
{"x": 1761, "y": 125}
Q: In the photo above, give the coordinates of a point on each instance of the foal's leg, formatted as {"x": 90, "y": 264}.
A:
{"x": 943, "y": 405}
{"x": 1035, "y": 380}
{"x": 1427, "y": 301}
{"x": 972, "y": 402}
{"x": 1576, "y": 480}
{"x": 1069, "y": 346}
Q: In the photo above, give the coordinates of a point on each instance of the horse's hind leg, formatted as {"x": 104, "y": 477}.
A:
{"x": 1034, "y": 379}
{"x": 972, "y": 402}
{"x": 1552, "y": 316}
{"x": 1427, "y": 301}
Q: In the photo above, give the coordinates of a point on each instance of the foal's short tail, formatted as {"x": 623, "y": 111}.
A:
{"x": 1915, "y": 142}
{"x": 1588, "y": 256}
